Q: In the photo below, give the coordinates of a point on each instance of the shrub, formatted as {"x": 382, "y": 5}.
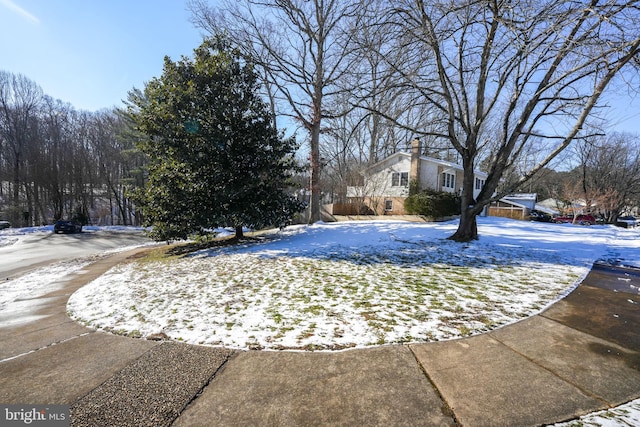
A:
{"x": 435, "y": 204}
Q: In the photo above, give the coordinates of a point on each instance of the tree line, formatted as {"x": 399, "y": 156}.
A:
{"x": 507, "y": 87}
{"x": 58, "y": 162}
{"x": 604, "y": 173}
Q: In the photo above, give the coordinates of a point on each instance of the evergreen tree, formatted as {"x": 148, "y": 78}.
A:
{"x": 216, "y": 159}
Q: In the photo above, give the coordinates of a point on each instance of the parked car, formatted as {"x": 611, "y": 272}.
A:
{"x": 580, "y": 219}
{"x": 67, "y": 226}
{"x": 4, "y": 224}
{"x": 627, "y": 221}
{"x": 535, "y": 215}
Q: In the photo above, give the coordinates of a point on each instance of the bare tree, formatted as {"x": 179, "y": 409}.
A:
{"x": 393, "y": 114}
{"x": 19, "y": 101}
{"x": 612, "y": 174}
{"x": 56, "y": 161}
{"x": 378, "y": 100}
{"x": 302, "y": 46}
{"x": 504, "y": 75}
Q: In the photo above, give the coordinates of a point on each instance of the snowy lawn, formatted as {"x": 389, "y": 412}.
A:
{"x": 627, "y": 415}
{"x": 351, "y": 284}
{"x": 21, "y": 297}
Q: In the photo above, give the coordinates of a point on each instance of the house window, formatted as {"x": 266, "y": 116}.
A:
{"x": 400, "y": 179}
{"x": 388, "y": 205}
{"x": 479, "y": 183}
{"x": 448, "y": 180}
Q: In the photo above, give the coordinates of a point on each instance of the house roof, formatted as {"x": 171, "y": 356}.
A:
{"x": 444, "y": 163}
{"x": 522, "y": 196}
{"x": 513, "y": 203}
{"x": 546, "y": 209}
{"x": 575, "y": 204}
{"x": 550, "y": 203}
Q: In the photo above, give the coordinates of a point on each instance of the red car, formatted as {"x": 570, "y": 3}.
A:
{"x": 580, "y": 219}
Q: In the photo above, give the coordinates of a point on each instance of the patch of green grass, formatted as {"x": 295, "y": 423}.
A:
{"x": 464, "y": 330}
{"x": 314, "y": 310}
{"x": 329, "y": 291}
{"x": 382, "y": 339}
{"x": 283, "y": 332}
{"x": 437, "y": 304}
{"x": 159, "y": 255}
{"x": 362, "y": 304}
{"x": 277, "y": 317}
{"x": 307, "y": 333}
{"x": 421, "y": 316}
{"x": 451, "y": 298}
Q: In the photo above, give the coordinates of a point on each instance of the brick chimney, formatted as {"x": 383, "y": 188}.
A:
{"x": 416, "y": 151}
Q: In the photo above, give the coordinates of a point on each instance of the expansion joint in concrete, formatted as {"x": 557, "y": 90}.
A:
{"x": 206, "y": 384}
{"x": 44, "y": 347}
{"x": 551, "y": 371}
{"x": 446, "y": 408}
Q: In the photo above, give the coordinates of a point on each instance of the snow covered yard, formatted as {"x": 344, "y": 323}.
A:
{"x": 326, "y": 286}
{"x": 20, "y": 296}
{"x": 352, "y": 284}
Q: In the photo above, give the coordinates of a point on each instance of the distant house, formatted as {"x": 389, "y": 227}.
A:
{"x": 386, "y": 183}
{"x": 516, "y": 206}
{"x": 520, "y": 205}
{"x": 549, "y": 206}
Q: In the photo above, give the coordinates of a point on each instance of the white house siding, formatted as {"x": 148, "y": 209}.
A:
{"x": 429, "y": 176}
{"x": 378, "y": 189}
{"x": 380, "y": 180}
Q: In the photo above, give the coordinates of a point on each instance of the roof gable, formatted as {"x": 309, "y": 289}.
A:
{"x": 396, "y": 157}
{"x": 386, "y": 162}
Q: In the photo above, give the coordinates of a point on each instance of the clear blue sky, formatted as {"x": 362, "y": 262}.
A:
{"x": 90, "y": 53}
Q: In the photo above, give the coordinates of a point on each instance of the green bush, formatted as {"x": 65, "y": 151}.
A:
{"x": 435, "y": 204}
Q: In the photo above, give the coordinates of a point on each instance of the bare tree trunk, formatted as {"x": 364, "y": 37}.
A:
{"x": 468, "y": 227}
{"x": 315, "y": 126}
{"x": 469, "y": 210}
{"x": 315, "y": 200}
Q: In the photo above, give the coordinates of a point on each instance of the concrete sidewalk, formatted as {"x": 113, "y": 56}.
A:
{"x": 579, "y": 356}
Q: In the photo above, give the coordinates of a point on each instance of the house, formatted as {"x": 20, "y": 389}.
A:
{"x": 520, "y": 206}
{"x": 549, "y": 206}
{"x": 386, "y": 183}
{"x": 515, "y": 206}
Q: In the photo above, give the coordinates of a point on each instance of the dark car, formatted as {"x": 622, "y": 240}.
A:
{"x": 67, "y": 226}
{"x": 535, "y": 215}
{"x": 580, "y": 219}
{"x": 4, "y": 224}
{"x": 627, "y": 221}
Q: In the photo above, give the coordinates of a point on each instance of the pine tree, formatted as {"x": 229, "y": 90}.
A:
{"x": 216, "y": 159}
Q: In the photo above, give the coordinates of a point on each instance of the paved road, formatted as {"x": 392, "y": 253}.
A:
{"x": 21, "y": 301}
{"x": 38, "y": 249}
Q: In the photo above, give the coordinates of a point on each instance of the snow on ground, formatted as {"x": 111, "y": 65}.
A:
{"x": 331, "y": 286}
{"x": 351, "y": 284}
{"x": 627, "y": 415}
{"x": 10, "y": 236}
{"x": 21, "y": 297}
